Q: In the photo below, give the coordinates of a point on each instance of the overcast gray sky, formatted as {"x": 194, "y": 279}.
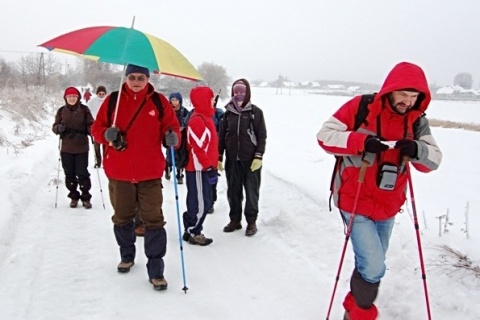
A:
{"x": 358, "y": 40}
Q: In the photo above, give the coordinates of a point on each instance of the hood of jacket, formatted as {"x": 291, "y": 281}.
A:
{"x": 407, "y": 75}
{"x": 201, "y": 98}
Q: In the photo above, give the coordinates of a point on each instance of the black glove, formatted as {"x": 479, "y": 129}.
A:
{"x": 111, "y": 134}
{"x": 171, "y": 139}
{"x": 61, "y": 128}
{"x": 374, "y": 145}
{"x": 212, "y": 176}
{"x": 407, "y": 148}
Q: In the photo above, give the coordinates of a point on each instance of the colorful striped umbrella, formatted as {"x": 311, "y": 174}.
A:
{"x": 123, "y": 46}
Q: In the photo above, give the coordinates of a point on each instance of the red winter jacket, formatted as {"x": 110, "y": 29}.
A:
{"x": 143, "y": 158}
{"x": 202, "y": 139}
{"x": 336, "y": 137}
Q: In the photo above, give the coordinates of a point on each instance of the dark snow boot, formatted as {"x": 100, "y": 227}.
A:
{"x": 73, "y": 203}
{"x": 124, "y": 266}
{"x": 232, "y": 226}
{"x": 200, "y": 240}
{"x": 87, "y": 204}
{"x": 251, "y": 229}
{"x": 159, "y": 284}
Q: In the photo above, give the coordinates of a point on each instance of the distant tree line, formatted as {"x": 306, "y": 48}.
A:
{"x": 43, "y": 70}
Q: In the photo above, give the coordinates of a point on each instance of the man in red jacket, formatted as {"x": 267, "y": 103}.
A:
{"x": 201, "y": 168}
{"x": 134, "y": 163}
{"x": 401, "y": 102}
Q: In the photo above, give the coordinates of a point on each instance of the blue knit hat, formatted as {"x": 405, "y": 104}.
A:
{"x": 176, "y": 95}
{"x": 131, "y": 68}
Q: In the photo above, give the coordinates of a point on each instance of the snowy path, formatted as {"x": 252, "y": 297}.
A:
{"x": 64, "y": 260}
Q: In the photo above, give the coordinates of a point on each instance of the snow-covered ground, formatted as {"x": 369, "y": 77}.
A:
{"x": 60, "y": 263}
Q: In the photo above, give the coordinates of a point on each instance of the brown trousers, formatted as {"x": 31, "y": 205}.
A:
{"x": 144, "y": 197}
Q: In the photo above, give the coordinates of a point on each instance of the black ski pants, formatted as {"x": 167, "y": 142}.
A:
{"x": 239, "y": 177}
{"x": 75, "y": 167}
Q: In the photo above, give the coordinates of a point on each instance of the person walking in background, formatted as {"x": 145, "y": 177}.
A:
{"x": 94, "y": 104}
{"x": 395, "y": 114}
{"x": 73, "y": 122}
{"x": 134, "y": 165}
{"x": 87, "y": 95}
{"x": 181, "y": 112}
{"x": 242, "y": 136}
{"x": 201, "y": 170}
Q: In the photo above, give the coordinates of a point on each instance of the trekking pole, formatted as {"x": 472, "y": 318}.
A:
{"x": 58, "y": 168}
{"x": 361, "y": 177}
{"x": 420, "y": 253}
{"x": 174, "y": 168}
{"x": 97, "y": 165}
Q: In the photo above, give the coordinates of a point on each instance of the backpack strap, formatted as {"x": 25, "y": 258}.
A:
{"x": 360, "y": 118}
{"x": 363, "y": 111}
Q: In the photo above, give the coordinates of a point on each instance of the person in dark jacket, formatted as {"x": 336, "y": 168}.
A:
{"x": 176, "y": 100}
{"x": 72, "y": 123}
{"x": 242, "y": 137}
{"x": 134, "y": 165}
{"x": 400, "y": 103}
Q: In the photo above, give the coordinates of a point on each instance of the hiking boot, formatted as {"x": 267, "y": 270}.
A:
{"x": 168, "y": 170}
{"x": 159, "y": 284}
{"x": 180, "y": 179}
{"x": 87, "y": 204}
{"x": 251, "y": 229}
{"x": 73, "y": 203}
{"x": 199, "y": 239}
{"x": 140, "y": 231}
{"x": 232, "y": 226}
{"x": 211, "y": 210}
{"x": 124, "y": 266}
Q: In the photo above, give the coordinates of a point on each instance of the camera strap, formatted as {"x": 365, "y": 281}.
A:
{"x": 135, "y": 115}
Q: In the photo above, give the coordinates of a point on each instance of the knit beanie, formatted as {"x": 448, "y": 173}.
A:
{"x": 71, "y": 91}
{"x": 177, "y": 96}
{"x": 240, "y": 87}
{"x": 101, "y": 89}
{"x": 131, "y": 68}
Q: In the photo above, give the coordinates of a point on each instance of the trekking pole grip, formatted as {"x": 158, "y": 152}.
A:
{"x": 363, "y": 169}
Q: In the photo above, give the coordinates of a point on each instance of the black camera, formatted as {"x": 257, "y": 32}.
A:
{"x": 120, "y": 144}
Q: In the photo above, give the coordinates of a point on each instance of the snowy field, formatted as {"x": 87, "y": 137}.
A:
{"x": 60, "y": 263}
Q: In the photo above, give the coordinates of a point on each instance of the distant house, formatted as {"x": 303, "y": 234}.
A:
{"x": 263, "y": 84}
{"x": 289, "y": 84}
{"x": 449, "y": 89}
{"x": 336, "y": 86}
{"x": 353, "y": 89}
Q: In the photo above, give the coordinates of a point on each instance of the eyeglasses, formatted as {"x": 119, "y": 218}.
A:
{"x": 101, "y": 94}
{"x": 71, "y": 96}
{"x": 139, "y": 78}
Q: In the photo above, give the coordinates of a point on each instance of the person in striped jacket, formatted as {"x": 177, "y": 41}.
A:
{"x": 395, "y": 115}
